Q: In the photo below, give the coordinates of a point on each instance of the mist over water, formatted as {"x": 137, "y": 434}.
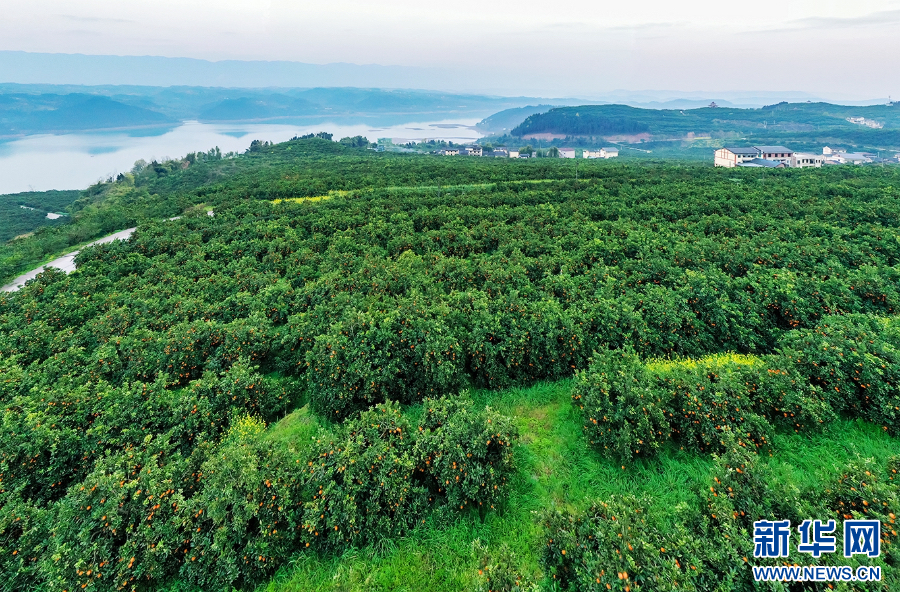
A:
{"x": 74, "y": 161}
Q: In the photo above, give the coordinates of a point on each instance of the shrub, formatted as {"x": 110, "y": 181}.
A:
{"x": 710, "y": 396}
{"x": 402, "y": 354}
{"x": 360, "y": 484}
{"x": 617, "y": 544}
{"x": 513, "y": 340}
{"x": 468, "y": 452}
{"x": 244, "y": 522}
{"x": 23, "y": 541}
{"x": 121, "y": 526}
{"x": 855, "y": 360}
{"x": 623, "y": 415}
{"x": 631, "y": 407}
{"x": 501, "y": 573}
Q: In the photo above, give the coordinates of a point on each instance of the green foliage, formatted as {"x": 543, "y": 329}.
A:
{"x": 809, "y": 121}
{"x": 361, "y": 484}
{"x": 21, "y": 213}
{"x": 243, "y": 522}
{"x": 615, "y": 545}
{"x": 855, "y": 360}
{"x": 468, "y": 453}
{"x": 623, "y": 414}
{"x": 623, "y": 543}
{"x": 631, "y": 408}
{"x": 500, "y": 574}
{"x": 383, "y": 280}
{"x": 402, "y": 352}
{"x": 355, "y": 142}
{"x": 121, "y": 526}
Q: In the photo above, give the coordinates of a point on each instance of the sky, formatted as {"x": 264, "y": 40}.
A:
{"x": 831, "y": 48}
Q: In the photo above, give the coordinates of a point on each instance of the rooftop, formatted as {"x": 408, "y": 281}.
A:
{"x": 742, "y": 150}
{"x": 770, "y": 149}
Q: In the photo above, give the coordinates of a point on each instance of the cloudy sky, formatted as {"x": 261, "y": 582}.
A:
{"x": 834, "y": 48}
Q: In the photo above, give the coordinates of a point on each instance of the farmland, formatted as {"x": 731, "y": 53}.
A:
{"x": 381, "y": 371}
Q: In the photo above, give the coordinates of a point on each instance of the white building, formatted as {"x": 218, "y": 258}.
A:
{"x": 851, "y": 158}
{"x": 590, "y": 154}
{"x": 567, "y": 153}
{"x": 474, "y": 150}
{"x": 801, "y": 160}
{"x": 513, "y": 153}
{"x": 450, "y": 152}
{"x": 731, "y": 156}
{"x": 609, "y": 152}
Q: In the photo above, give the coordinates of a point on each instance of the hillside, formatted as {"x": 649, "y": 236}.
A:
{"x": 21, "y": 213}
{"x": 28, "y": 114}
{"x": 799, "y": 121}
{"x": 377, "y": 371}
{"x": 506, "y": 120}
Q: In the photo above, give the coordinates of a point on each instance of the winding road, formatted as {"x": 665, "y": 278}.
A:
{"x": 65, "y": 263}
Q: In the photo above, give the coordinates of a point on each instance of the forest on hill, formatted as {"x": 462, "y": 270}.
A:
{"x": 783, "y": 122}
{"x": 21, "y": 213}
{"x": 382, "y": 371}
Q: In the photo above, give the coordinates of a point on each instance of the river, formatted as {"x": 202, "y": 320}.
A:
{"x": 76, "y": 160}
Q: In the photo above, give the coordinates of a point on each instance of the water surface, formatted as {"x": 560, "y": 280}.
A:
{"x": 74, "y": 161}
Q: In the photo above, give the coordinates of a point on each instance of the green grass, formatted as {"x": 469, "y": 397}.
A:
{"x": 556, "y": 469}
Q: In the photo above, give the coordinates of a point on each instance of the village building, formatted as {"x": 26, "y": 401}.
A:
{"x": 732, "y": 156}
{"x": 474, "y": 150}
{"x": 513, "y": 153}
{"x": 801, "y": 160}
{"x": 609, "y": 152}
{"x": 567, "y": 153}
{"x": 450, "y": 152}
{"x": 776, "y": 153}
{"x": 590, "y": 153}
{"x": 852, "y": 158}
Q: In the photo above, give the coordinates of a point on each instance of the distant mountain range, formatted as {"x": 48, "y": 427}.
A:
{"x": 29, "y": 109}
{"x": 97, "y": 70}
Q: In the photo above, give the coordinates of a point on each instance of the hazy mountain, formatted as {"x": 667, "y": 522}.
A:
{"x": 505, "y": 120}
{"x": 249, "y": 108}
{"x": 26, "y": 109}
{"x": 23, "y": 114}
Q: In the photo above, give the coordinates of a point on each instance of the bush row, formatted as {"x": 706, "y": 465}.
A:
{"x": 402, "y": 293}
{"x": 625, "y": 543}
{"x": 229, "y": 513}
{"x": 845, "y": 365}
